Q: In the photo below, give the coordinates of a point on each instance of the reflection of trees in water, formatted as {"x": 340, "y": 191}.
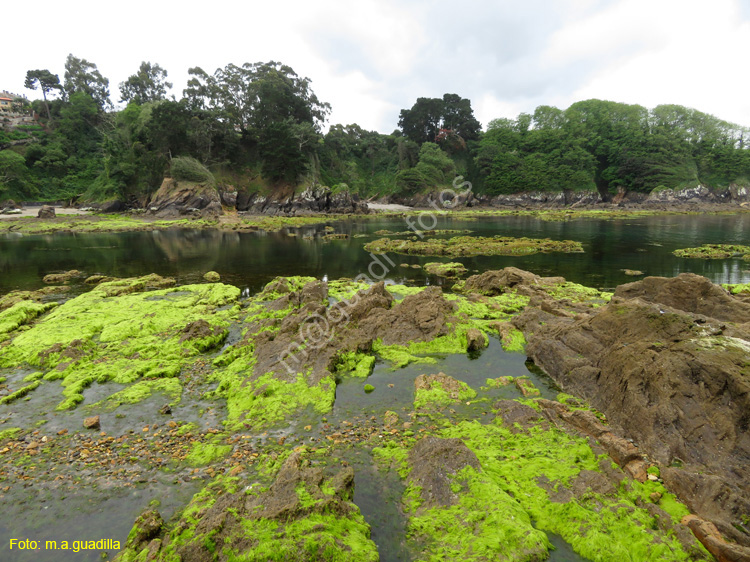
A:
{"x": 251, "y": 259}
{"x": 177, "y": 245}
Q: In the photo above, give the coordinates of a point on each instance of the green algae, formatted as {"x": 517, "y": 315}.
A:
{"x": 737, "y": 288}
{"x": 268, "y": 400}
{"x": 600, "y": 527}
{"x": 714, "y": 251}
{"x": 514, "y": 341}
{"x": 345, "y": 289}
{"x": 473, "y": 246}
{"x": 203, "y": 454}
{"x": 578, "y": 293}
{"x": 10, "y": 433}
{"x": 20, "y": 393}
{"x": 20, "y": 314}
{"x": 353, "y": 363}
{"x": 271, "y": 224}
{"x": 393, "y": 455}
{"x": 116, "y": 333}
{"x": 101, "y": 223}
{"x": 142, "y": 390}
{"x": 485, "y": 524}
{"x": 450, "y": 269}
{"x": 435, "y": 395}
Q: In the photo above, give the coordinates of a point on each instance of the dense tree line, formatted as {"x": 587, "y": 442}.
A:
{"x": 261, "y": 126}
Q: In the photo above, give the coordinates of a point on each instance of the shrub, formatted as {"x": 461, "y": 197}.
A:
{"x": 184, "y": 168}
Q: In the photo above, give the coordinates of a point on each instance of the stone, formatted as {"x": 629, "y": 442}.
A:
{"x": 166, "y": 409}
{"x": 92, "y": 422}
{"x": 637, "y": 470}
{"x": 46, "y": 212}
{"x": 212, "y": 277}
{"x": 475, "y": 340}
{"x": 56, "y": 278}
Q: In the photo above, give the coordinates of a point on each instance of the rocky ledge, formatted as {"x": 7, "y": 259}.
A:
{"x": 668, "y": 361}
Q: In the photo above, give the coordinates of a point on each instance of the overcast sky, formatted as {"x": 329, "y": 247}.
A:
{"x": 369, "y": 59}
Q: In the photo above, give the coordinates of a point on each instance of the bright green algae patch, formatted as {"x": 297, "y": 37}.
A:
{"x": 528, "y": 465}
{"x": 111, "y": 334}
{"x": 486, "y": 524}
{"x": 737, "y": 288}
{"x": 715, "y": 252}
{"x": 20, "y": 314}
{"x": 473, "y": 246}
{"x": 436, "y": 393}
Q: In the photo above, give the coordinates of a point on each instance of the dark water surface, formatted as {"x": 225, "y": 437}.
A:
{"x": 250, "y": 260}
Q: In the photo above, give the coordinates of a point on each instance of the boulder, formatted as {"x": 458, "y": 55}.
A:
{"x": 46, "y": 212}
{"x": 56, "y": 278}
{"x": 475, "y": 340}
{"x": 92, "y": 422}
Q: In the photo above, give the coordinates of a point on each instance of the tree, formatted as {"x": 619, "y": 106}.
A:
{"x": 83, "y": 76}
{"x": 46, "y": 81}
{"x": 148, "y": 84}
{"x": 253, "y": 96}
{"x": 430, "y": 119}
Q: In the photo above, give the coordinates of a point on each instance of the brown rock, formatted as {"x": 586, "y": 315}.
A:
{"x": 447, "y": 383}
{"x": 475, "y": 340}
{"x": 434, "y": 461}
{"x": 665, "y": 360}
{"x": 55, "y": 278}
{"x": 637, "y": 469}
{"x": 707, "y": 533}
{"x": 526, "y": 387}
{"x": 92, "y": 422}
{"x": 46, "y": 212}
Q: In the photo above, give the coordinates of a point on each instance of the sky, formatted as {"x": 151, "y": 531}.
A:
{"x": 369, "y": 59}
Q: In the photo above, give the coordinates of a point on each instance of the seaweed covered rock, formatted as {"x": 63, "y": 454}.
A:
{"x": 460, "y": 513}
{"x": 120, "y": 331}
{"x": 440, "y": 390}
{"x": 666, "y": 360}
{"x": 57, "y": 278}
{"x": 434, "y": 461}
{"x": 305, "y": 514}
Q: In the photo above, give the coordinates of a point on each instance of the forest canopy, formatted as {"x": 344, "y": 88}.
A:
{"x": 260, "y": 126}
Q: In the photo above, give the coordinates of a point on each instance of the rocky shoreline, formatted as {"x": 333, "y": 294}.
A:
{"x": 645, "y": 454}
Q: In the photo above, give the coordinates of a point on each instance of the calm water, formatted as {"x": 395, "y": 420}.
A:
{"x": 249, "y": 260}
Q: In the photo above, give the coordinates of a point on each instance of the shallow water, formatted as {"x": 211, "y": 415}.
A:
{"x": 249, "y": 260}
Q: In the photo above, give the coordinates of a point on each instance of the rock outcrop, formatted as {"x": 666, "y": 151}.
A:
{"x": 284, "y": 515}
{"x": 667, "y": 361}
{"x": 176, "y": 198}
{"x": 314, "y": 199}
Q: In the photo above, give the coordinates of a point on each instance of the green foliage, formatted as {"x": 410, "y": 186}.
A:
{"x": 440, "y": 120}
{"x": 184, "y": 168}
{"x": 82, "y": 76}
{"x": 147, "y": 85}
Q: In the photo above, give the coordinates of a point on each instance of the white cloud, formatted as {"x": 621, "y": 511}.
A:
{"x": 372, "y": 58}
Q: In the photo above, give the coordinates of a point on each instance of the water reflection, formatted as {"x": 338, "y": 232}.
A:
{"x": 251, "y": 259}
